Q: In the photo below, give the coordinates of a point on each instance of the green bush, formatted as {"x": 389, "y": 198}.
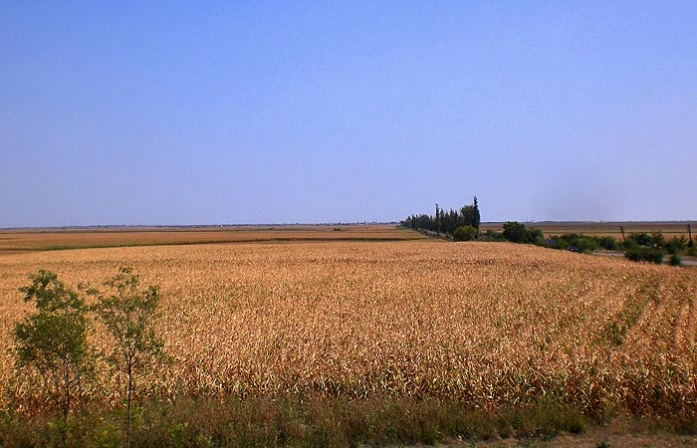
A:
{"x": 514, "y": 232}
{"x": 587, "y": 244}
{"x": 676, "y": 244}
{"x": 583, "y": 243}
{"x": 607, "y": 242}
{"x": 641, "y": 239}
{"x": 645, "y": 254}
{"x": 629, "y": 244}
{"x": 492, "y": 235}
{"x": 658, "y": 240}
{"x": 465, "y": 233}
{"x": 534, "y": 236}
{"x": 53, "y": 341}
{"x": 298, "y": 422}
{"x": 559, "y": 242}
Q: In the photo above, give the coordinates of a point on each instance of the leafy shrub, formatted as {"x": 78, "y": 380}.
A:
{"x": 629, "y": 244}
{"x": 587, "y": 244}
{"x": 675, "y": 260}
{"x": 658, "y": 240}
{"x": 607, "y": 242}
{"x": 516, "y": 232}
{"x": 676, "y": 244}
{"x": 492, "y": 235}
{"x": 559, "y": 242}
{"x": 583, "y": 243}
{"x": 465, "y": 233}
{"x": 641, "y": 239}
{"x": 534, "y": 236}
{"x": 645, "y": 254}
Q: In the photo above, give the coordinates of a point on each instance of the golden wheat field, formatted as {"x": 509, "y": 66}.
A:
{"x": 16, "y": 241}
{"x": 487, "y": 324}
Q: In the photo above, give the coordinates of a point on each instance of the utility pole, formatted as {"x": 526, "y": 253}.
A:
{"x": 689, "y": 232}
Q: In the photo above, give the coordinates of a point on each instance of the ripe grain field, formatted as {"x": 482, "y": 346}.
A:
{"x": 488, "y": 324}
{"x": 14, "y": 241}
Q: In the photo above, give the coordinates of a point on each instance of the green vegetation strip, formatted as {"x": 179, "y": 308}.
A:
{"x": 296, "y": 421}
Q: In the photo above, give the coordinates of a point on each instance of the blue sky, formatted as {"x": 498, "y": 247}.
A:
{"x": 284, "y": 112}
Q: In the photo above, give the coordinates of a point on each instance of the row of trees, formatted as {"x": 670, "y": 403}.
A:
{"x": 448, "y": 223}
{"x": 52, "y": 343}
{"x": 637, "y": 246}
{"x": 464, "y": 226}
{"x": 653, "y": 247}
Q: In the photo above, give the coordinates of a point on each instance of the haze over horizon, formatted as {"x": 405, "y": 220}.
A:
{"x": 184, "y": 113}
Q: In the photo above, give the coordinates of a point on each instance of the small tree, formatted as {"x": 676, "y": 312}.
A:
{"x": 53, "y": 341}
{"x": 658, "y": 240}
{"x": 470, "y": 215}
{"x": 675, "y": 260}
{"x": 641, "y": 239}
{"x": 128, "y": 314}
{"x": 465, "y": 233}
{"x": 534, "y": 236}
{"x": 676, "y": 244}
{"x": 514, "y": 231}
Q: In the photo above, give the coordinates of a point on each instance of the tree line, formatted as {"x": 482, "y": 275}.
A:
{"x": 463, "y": 225}
{"x": 460, "y": 225}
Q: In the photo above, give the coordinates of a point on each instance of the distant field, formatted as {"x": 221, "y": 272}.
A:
{"x": 15, "y": 241}
{"x": 20, "y": 240}
{"x": 669, "y": 229}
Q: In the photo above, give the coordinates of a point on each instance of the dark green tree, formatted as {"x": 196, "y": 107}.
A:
{"x": 640, "y": 239}
{"x": 676, "y": 244}
{"x": 470, "y": 215}
{"x": 658, "y": 240}
{"x": 514, "y": 232}
{"x": 53, "y": 341}
{"x": 534, "y": 236}
{"x": 643, "y": 253}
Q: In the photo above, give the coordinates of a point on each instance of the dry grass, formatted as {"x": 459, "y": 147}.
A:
{"x": 17, "y": 241}
{"x": 491, "y": 325}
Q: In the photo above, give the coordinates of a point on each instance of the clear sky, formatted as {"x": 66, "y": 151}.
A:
{"x": 328, "y": 111}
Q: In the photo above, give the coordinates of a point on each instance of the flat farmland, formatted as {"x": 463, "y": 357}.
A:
{"x": 488, "y": 325}
{"x": 669, "y": 228}
{"x": 18, "y": 240}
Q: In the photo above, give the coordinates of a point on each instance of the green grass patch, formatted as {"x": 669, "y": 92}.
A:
{"x": 296, "y": 422}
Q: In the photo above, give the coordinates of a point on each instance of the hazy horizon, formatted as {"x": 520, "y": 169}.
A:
{"x": 213, "y": 113}
{"x": 311, "y": 224}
